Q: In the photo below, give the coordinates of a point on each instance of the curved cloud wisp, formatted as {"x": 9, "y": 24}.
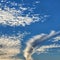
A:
{"x": 34, "y": 42}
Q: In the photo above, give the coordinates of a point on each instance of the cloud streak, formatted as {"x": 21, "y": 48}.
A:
{"x": 57, "y": 38}
{"x": 36, "y": 41}
{"x": 46, "y": 48}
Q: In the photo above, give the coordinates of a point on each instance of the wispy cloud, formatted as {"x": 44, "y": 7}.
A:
{"x": 10, "y": 15}
{"x": 57, "y": 38}
{"x": 35, "y": 41}
{"x": 46, "y": 48}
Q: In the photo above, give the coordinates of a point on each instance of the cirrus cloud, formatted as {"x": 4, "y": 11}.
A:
{"x": 46, "y": 48}
{"x": 35, "y": 41}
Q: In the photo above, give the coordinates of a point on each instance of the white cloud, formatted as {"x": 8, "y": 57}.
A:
{"x": 13, "y": 16}
{"x": 29, "y": 48}
{"x": 10, "y": 19}
{"x": 10, "y": 47}
{"x": 35, "y": 41}
{"x": 46, "y": 47}
{"x": 57, "y": 38}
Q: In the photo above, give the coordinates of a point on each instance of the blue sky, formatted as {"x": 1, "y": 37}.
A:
{"x": 32, "y": 19}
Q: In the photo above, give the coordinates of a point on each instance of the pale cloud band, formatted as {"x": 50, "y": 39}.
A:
{"x": 35, "y": 41}
{"x": 45, "y": 49}
{"x": 9, "y": 47}
{"x": 57, "y": 38}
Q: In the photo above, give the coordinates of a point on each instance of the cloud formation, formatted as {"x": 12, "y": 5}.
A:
{"x": 36, "y": 41}
{"x": 45, "y": 48}
{"x": 10, "y": 15}
{"x": 9, "y": 48}
{"x": 57, "y": 38}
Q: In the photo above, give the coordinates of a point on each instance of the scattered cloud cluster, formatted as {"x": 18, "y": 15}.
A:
{"x": 10, "y": 15}
{"x": 10, "y": 45}
{"x": 35, "y": 41}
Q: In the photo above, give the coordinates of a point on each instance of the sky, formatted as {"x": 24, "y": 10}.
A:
{"x": 29, "y": 30}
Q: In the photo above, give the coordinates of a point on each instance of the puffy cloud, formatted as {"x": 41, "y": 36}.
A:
{"x": 14, "y": 16}
{"x": 9, "y": 48}
{"x": 35, "y": 41}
